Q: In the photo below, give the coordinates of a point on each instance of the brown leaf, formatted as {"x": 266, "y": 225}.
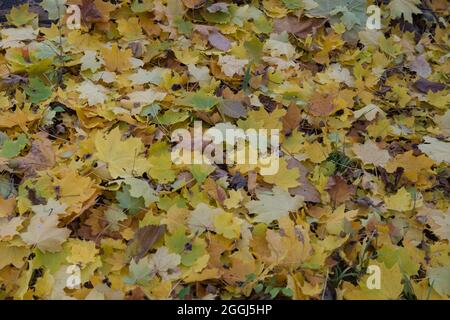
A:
{"x": 143, "y": 240}
{"x": 424, "y": 85}
{"x": 301, "y": 27}
{"x": 321, "y": 105}
{"x": 7, "y": 206}
{"x": 251, "y": 181}
{"x": 339, "y": 190}
{"x": 215, "y": 191}
{"x": 306, "y": 189}
{"x": 89, "y": 12}
{"x": 40, "y": 157}
{"x": 291, "y": 119}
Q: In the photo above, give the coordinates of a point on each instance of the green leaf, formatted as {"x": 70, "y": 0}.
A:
{"x": 274, "y": 292}
{"x": 151, "y": 110}
{"x": 20, "y": 16}
{"x": 171, "y": 116}
{"x": 199, "y": 101}
{"x": 139, "y": 6}
{"x": 50, "y": 260}
{"x": 258, "y": 288}
{"x": 11, "y": 148}
{"x": 262, "y": 25}
{"x": 37, "y": 90}
{"x": 55, "y": 8}
{"x": 139, "y": 272}
{"x": 404, "y": 8}
{"x": 190, "y": 256}
{"x": 184, "y": 27}
{"x": 254, "y": 49}
{"x": 250, "y": 277}
{"x": 201, "y": 171}
{"x": 126, "y": 201}
{"x": 216, "y": 17}
{"x": 177, "y": 241}
{"x": 184, "y": 292}
{"x": 140, "y": 188}
{"x": 287, "y": 292}
{"x": 293, "y": 4}
{"x": 349, "y": 12}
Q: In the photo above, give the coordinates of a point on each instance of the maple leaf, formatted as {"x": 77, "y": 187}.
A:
{"x": 202, "y": 218}
{"x": 390, "y": 287}
{"x": 439, "y": 221}
{"x": 404, "y": 8}
{"x": 339, "y": 190}
{"x": 93, "y": 93}
{"x": 40, "y": 156}
{"x": 390, "y": 255}
{"x": 160, "y": 162}
{"x": 413, "y": 165}
{"x": 81, "y": 252}
{"x": 321, "y": 105}
{"x": 147, "y": 97}
{"x": 140, "y": 272}
{"x": 285, "y": 178}
{"x": 437, "y": 150}
{"x": 8, "y": 228}
{"x": 52, "y": 207}
{"x": 402, "y": 201}
{"x": 199, "y": 101}
{"x": 273, "y": 205}
{"x": 140, "y": 188}
{"x": 123, "y": 157}
{"x": 37, "y": 90}
{"x": 439, "y": 279}
{"x": 164, "y": 263}
{"x": 20, "y": 15}
{"x": 369, "y": 112}
{"x": 231, "y": 66}
{"x": 115, "y": 59}
{"x": 370, "y": 153}
{"x": 227, "y": 225}
{"x": 11, "y": 148}
{"x": 336, "y": 221}
{"x": 43, "y": 232}
{"x": 55, "y": 8}
{"x": 12, "y": 255}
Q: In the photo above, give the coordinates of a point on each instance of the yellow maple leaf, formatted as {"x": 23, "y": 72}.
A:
{"x": 390, "y": 285}
{"x": 115, "y": 59}
{"x": 81, "y": 252}
{"x": 403, "y": 201}
{"x": 123, "y": 157}
{"x": 414, "y": 166}
{"x": 227, "y": 225}
{"x": 284, "y": 178}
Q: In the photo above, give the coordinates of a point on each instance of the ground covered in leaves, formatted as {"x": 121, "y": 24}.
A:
{"x": 88, "y": 188}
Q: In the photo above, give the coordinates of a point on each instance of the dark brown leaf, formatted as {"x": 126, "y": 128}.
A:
{"x": 301, "y": 27}
{"x": 143, "y": 240}
{"x": 292, "y": 118}
{"x": 424, "y": 85}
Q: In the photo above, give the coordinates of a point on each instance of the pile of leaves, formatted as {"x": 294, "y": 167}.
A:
{"x": 87, "y": 182}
